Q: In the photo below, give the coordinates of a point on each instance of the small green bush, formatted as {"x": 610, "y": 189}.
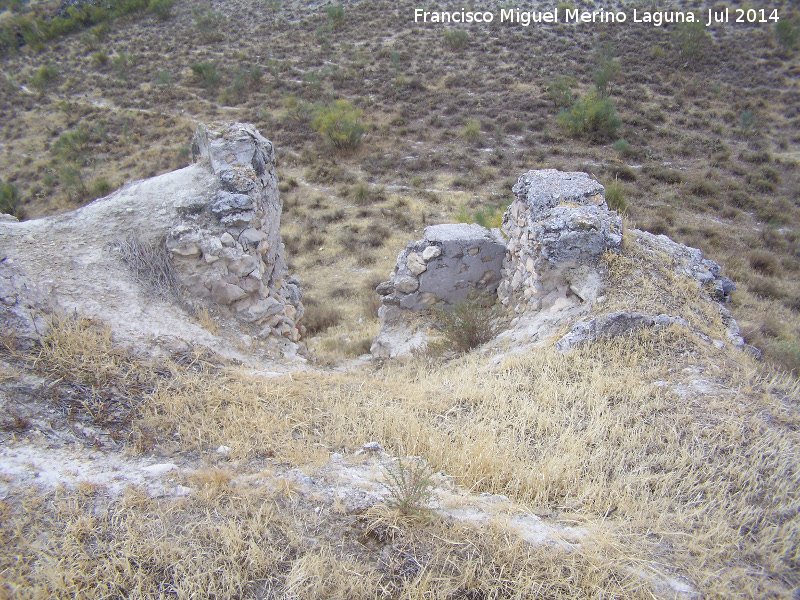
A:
{"x": 605, "y": 72}
{"x": 72, "y": 145}
{"x": 592, "y": 116}
{"x": 208, "y": 23}
{"x": 43, "y": 76}
{"x": 560, "y": 91}
{"x": 122, "y": 62}
{"x": 341, "y": 124}
{"x": 615, "y": 196}
{"x": 336, "y": 14}
{"x": 100, "y": 58}
{"x": 9, "y": 198}
{"x": 623, "y": 147}
{"x": 787, "y": 34}
{"x": 161, "y": 8}
{"x": 409, "y": 484}
{"x": 471, "y": 132}
{"x": 206, "y": 72}
{"x": 691, "y": 40}
{"x": 456, "y": 39}
{"x": 100, "y": 187}
{"x": 298, "y": 110}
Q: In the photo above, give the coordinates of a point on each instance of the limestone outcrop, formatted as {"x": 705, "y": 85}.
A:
{"x": 217, "y": 225}
{"x": 449, "y": 264}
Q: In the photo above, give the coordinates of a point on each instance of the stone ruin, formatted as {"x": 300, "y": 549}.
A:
{"x": 216, "y": 222}
{"x": 558, "y": 228}
{"x": 227, "y": 248}
{"x": 545, "y": 268}
{"x": 449, "y": 264}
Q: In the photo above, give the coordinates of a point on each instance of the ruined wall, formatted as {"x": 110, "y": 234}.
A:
{"x": 447, "y": 265}
{"x": 227, "y": 248}
{"x": 558, "y": 227}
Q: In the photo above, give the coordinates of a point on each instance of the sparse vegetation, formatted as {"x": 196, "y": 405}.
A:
{"x": 615, "y": 196}
{"x": 467, "y": 324}
{"x": 150, "y": 264}
{"x": 700, "y": 145}
{"x": 691, "y": 40}
{"x": 409, "y": 484}
{"x": 9, "y": 198}
{"x": 206, "y": 73}
{"x": 456, "y": 39}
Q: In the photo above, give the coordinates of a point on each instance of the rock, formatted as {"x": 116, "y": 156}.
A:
{"x": 416, "y": 264}
{"x": 613, "y": 325}
{"x": 188, "y": 222}
{"x": 431, "y": 252}
{"x": 385, "y": 288}
{"x": 688, "y": 262}
{"x": 160, "y": 469}
{"x": 226, "y": 293}
{"x": 228, "y": 203}
{"x": 227, "y": 240}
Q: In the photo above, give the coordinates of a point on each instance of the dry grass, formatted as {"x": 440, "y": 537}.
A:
{"x": 707, "y": 483}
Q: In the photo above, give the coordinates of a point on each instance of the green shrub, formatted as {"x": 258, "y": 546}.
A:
{"x": 72, "y": 145}
{"x": 298, "y": 110}
{"x": 468, "y": 324}
{"x": 560, "y": 91}
{"x": 122, "y": 63}
{"x": 409, "y": 484}
{"x": 206, "y": 72}
{"x": 208, "y": 23}
{"x": 691, "y": 40}
{"x": 161, "y": 8}
{"x": 623, "y": 147}
{"x": 43, "y": 76}
{"x": 456, "y": 39}
{"x": 787, "y": 35}
{"x": 615, "y": 196}
{"x": 341, "y": 124}
{"x": 9, "y": 198}
{"x": 336, "y": 14}
{"x": 605, "y": 72}
{"x": 592, "y": 116}
{"x": 100, "y": 187}
{"x": 471, "y": 132}
{"x": 100, "y": 58}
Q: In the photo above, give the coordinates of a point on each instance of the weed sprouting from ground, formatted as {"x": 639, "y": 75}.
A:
{"x": 409, "y": 484}
{"x": 468, "y": 324}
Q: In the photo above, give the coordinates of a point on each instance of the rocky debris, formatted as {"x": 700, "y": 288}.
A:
{"x": 228, "y": 249}
{"x": 449, "y": 264}
{"x": 613, "y": 325}
{"x": 558, "y": 228}
{"x": 686, "y": 261}
{"x": 216, "y": 224}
